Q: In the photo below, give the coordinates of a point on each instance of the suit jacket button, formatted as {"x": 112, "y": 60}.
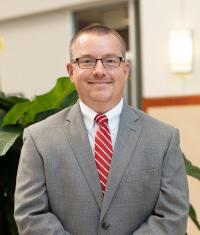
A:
{"x": 105, "y": 226}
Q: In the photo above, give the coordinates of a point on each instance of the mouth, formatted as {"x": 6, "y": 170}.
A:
{"x": 100, "y": 83}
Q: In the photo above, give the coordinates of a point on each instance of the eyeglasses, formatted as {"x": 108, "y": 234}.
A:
{"x": 90, "y": 63}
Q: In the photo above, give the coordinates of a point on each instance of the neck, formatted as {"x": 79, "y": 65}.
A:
{"x": 101, "y": 107}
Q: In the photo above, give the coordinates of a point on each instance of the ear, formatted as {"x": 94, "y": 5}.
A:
{"x": 70, "y": 70}
{"x": 126, "y": 69}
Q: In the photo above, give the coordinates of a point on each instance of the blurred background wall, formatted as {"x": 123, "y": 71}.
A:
{"x": 36, "y": 39}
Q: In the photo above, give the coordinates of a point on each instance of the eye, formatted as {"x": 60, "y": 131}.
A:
{"x": 86, "y": 60}
{"x": 110, "y": 60}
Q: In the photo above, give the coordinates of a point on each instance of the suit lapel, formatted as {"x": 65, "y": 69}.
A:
{"x": 127, "y": 137}
{"x": 77, "y": 136}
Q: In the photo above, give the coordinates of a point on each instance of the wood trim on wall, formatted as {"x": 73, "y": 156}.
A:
{"x": 170, "y": 101}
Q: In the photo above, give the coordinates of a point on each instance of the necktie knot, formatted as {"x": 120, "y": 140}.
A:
{"x": 101, "y": 118}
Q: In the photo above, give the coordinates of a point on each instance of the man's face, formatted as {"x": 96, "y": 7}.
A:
{"x": 99, "y": 88}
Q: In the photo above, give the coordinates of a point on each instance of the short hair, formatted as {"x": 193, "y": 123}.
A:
{"x": 98, "y": 30}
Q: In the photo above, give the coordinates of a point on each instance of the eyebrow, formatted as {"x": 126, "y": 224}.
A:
{"x": 104, "y": 56}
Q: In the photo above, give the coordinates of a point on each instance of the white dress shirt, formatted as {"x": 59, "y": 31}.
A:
{"x": 113, "y": 116}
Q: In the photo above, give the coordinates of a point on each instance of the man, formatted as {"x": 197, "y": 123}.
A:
{"x": 65, "y": 186}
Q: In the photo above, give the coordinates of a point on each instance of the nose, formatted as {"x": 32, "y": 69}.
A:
{"x": 99, "y": 69}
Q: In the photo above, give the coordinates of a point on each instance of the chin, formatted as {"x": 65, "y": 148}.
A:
{"x": 101, "y": 99}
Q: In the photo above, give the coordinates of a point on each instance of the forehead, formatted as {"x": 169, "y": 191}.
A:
{"x": 97, "y": 45}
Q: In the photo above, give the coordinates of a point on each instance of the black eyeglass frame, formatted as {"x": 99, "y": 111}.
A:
{"x": 121, "y": 59}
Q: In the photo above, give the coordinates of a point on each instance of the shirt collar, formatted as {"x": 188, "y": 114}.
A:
{"x": 89, "y": 115}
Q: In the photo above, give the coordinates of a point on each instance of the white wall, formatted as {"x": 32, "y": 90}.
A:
{"x": 36, "y": 36}
{"x": 35, "y": 52}
{"x": 36, "y": 46}
{"x": 12, "y": 8}
{"x": 157, "y": 18}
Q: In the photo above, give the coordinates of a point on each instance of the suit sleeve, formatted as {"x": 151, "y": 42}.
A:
{"x": 172, "y": 207}
{"x": 32, "y": 213}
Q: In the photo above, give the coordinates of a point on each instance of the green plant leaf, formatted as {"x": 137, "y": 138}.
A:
{"x": 23, "y": 111}
{"x": 43, "y": 115}
{"x": 2, "y": 212}
{"x": 10, "y": 217}
{"x": 8, "y": 135}
{"x": 8, "y": 171}
{"x": 191, "y": 170}
{"x": 5, "y": 105}
{"x": 16, "y": 113}
{"x": 2, "y": 115}
{"x": 2, "y": 94}
{"x": 8, "y": 102}
{"x": 50, "y": 100}
{"x": 15, "y": 100}
{"x": 70, "y": 99}
{"x": 193, "y": 216}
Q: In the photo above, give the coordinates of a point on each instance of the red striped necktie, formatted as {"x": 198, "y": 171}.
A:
{"x": 103, "y": 149}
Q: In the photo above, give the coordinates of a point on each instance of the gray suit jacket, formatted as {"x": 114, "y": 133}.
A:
{"x": 58, "y": 190}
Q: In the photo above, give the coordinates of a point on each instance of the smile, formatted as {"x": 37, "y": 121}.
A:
{"x": 99, "y": 83}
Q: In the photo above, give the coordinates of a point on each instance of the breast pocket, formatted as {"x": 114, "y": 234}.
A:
{"x": 144, "y": 180}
